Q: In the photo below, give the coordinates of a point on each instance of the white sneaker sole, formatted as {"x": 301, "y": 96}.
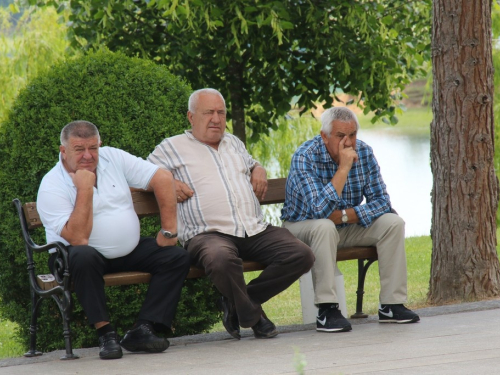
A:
{"x": 345, "y": 329}
{"x": 414, "y": 320}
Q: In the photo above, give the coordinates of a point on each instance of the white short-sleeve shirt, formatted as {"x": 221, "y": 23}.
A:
{"x": 116, "y": 229}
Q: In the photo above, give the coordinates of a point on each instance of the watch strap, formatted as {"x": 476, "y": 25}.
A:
{"x": 168, "y": 234}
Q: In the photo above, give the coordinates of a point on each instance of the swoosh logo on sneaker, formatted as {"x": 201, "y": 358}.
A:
{"x": 322, "y": 322}
{"x": 389, "y": 314}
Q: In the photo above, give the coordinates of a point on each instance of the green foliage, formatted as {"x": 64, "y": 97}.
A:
{"x": 135, "y": 104}
{"x": 29, "y": 45}
{"x": 264, "y": 55}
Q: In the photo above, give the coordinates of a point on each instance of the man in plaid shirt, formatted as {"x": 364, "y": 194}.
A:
{"x": 336, "y": 197}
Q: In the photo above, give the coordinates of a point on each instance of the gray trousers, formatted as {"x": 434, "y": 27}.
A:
{"x": 222, "y": 256}
{"x": 386, "y": 233}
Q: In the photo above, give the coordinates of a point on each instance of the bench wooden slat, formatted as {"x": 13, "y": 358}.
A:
{"x": 275, "y": 191}
{"x": 358, "y": 252}
{"x": 31, "y": 214}
{"x": 46, "y": 282}
{"x": 145, "y": 202}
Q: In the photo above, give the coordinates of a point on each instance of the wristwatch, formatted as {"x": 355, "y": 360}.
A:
{"x": 168, "y": 234}
{"x": 344, "y": 217}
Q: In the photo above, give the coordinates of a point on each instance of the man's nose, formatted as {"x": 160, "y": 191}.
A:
{"x": 216, "y": 118}
{"x": 87, "y": 154}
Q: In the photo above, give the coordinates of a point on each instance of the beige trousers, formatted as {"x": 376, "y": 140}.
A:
{"x": 386, "y": 233}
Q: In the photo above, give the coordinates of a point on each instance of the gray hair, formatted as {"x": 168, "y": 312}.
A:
{"x": 342, "y": 114}
{"x": 193, "y": 99}
{"x": 79, "y": 129}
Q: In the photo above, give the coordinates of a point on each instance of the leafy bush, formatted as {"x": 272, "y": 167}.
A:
{"x": 135, "y": 104}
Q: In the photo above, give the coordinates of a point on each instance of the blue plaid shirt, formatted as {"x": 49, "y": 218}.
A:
{"x": 311, "y": 195}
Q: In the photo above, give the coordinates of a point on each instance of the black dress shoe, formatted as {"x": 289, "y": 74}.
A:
{"x": 264, "y": 329}
{"x": 229, "y": 317}
{"x": 109, "y": 347}
{"x": 143, "y": 339}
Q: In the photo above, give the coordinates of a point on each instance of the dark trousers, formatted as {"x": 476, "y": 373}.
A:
{"x": 168, "y": 266}
{"x": 221, "y": 256}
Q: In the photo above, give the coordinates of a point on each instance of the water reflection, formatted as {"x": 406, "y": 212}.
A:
{"x": 405, "y": 165}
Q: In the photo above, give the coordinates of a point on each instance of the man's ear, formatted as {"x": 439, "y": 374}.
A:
{"x": 190, "y": 117}
{"x": 324, "y": 137}
{"x": 62, "y": 149}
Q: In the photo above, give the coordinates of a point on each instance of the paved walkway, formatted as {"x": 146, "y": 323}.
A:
{"x": 455, "y": 339}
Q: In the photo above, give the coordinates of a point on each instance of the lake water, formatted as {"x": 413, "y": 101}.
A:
{"x": 405, "y": 166}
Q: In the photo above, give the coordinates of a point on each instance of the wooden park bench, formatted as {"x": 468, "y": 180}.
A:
{"x": 58, "y": 287}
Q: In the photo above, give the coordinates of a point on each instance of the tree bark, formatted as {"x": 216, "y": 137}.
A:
{"x": 465, "y": 189}
{"x": 235, "y": 77}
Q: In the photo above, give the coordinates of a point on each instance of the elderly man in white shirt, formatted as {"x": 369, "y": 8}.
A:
{"x": 85, "y": 202}
{"x": 218, "y": 187}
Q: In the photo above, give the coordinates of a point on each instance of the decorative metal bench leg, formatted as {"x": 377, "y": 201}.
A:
{"x": 65, "y": 308}
{"x": 362, "y": 270}
{"x": 34, "y": 313}
{"x": 67, "y": 342}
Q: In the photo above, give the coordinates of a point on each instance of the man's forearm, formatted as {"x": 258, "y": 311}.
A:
{"x": 79, "y": 226}
{"x": 162, "y": 184}
{"x": 338, "y": 180}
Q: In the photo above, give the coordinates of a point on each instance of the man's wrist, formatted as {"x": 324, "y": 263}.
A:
{"x": 168, "y": 234}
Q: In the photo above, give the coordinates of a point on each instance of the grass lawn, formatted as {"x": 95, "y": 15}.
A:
{"x": 414, "y": 121}
{"x": 8, "y": 346}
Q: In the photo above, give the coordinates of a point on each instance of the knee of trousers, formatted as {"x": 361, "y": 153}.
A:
{"x": 220, "y": 261}
{"x": 324, "y": 235}
{"x": 394, "y": 221}
{"x": 180, "y": 259}
{"x": 82, "y": 257}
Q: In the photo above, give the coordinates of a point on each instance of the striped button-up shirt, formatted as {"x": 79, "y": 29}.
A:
{"x": 311, "y": 195}
{"x": 223, "y": 199}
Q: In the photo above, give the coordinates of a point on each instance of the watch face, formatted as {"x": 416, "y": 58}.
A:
{"x": 168, "y": 234}
{"x": 344, "y": 218}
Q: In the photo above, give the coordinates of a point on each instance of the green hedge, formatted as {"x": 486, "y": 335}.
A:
{"x": 135, "y": 104}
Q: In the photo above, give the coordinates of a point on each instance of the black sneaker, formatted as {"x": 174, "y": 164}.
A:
{"x": 331, "y": 319}
{"x": 143, "y": 339}
{"x": 109, "y": 347}
{"x": 396, "y": 314}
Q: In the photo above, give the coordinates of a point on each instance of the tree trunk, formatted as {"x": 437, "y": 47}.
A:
{"x": 465, "y": 189}
{"x": 235, "y": 77}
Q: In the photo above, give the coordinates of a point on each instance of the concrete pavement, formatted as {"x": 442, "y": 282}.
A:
{"x": 454, "y": 339}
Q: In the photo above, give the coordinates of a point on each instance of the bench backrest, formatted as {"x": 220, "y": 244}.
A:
{"x": 145, "y": 202}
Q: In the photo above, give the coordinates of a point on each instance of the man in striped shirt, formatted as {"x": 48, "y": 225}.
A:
{"x": 336, "y": 197}
{"x": 220, "y": 220}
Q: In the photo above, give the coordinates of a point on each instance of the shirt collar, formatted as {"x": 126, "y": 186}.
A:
{"x": 190, "y": 135}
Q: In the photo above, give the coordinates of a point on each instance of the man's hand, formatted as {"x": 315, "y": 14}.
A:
{"x": 258, "y": 179}
{"x": 182, "y": 191}
{"x": 162, "y": 241}
{"x": 83, "y": 179}
{"x": 347, "y": 155}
